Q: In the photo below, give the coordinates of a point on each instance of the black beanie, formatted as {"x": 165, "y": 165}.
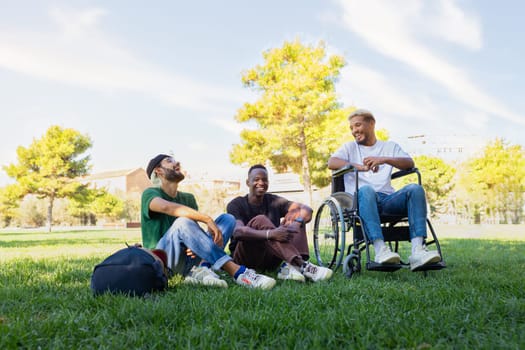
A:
{"x": 155, "y": 163}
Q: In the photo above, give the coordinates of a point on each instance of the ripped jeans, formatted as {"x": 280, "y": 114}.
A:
{"x": 410, "y": 201}
{"x": 186, "y": 233}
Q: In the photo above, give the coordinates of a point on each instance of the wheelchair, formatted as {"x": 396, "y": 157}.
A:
{"x": 338, "y": 215}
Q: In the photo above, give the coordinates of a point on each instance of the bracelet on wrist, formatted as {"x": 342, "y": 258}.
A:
{"x": 267, "y": 235}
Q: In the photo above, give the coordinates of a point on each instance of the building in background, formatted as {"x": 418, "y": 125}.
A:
{"x": 450, "y": 147}
{"x": 128, "y": 185}
{"x": 120, "y": 181}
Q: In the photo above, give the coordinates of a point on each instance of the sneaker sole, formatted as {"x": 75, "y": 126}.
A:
{"x": 266, "y": 286}
{"x": 326, "y": 277}
{"x": 297, "y": 278}
{"x": 218, "y": 284}
{"x": 194, "y": 281}
{"x": 392, "y": 260}
{"x": 291, "y": 277}
{"x": 432, "y": 260}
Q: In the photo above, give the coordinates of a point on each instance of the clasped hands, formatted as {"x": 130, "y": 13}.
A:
{"x": 371, "y": 163}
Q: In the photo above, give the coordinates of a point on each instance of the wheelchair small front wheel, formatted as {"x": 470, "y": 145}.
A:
{"x": 351, "y": 265}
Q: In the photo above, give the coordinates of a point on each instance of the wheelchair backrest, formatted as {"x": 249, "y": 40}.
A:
{"x": 338, "y": 184}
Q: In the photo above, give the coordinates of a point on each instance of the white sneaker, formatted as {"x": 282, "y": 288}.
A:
{"x": 386, "y": 256}
{"x": 204, "y": 276}
{"x": 316, "y": 273}
{"x": 422, "y": 257}
{"x": 251, "y": 279}
{"x": 289, "y": 272}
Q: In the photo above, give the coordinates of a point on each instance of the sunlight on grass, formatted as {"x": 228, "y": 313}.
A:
{"x": 22, "y": 245}
{"x": 477, "y": 302}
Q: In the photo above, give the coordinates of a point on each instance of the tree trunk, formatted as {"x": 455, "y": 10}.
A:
{"x": 307, "y": 182}
{"x": 50, "y": 213}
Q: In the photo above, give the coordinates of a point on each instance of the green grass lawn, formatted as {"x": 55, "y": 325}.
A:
{"x": 477, "y": 302}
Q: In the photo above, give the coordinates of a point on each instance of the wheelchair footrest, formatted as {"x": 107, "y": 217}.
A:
{"x": 373, "y": 266}
{"x": 435, "y": 266}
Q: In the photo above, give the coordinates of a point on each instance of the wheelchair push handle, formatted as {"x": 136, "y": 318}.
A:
{"x": 341, "y": 171}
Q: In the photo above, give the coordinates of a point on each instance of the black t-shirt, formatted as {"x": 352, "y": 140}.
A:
{"x": 274, "y": 207}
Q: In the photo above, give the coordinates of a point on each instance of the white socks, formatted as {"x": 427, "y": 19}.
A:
{"x": 417, "y": 244}
{"x": 378, "y": 244}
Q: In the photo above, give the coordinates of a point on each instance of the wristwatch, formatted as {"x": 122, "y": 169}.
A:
{"x": 299, "y": 220}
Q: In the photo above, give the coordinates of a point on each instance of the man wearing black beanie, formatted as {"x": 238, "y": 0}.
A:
{"x": 169, "y": 221}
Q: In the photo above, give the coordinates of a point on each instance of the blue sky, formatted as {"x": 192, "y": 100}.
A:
{"x": 144, "y": 79}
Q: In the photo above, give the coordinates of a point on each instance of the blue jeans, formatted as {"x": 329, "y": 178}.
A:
{"x": 409, "y": 201}
{"x": 186, "y": 233}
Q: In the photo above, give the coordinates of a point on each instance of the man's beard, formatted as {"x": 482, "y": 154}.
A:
{"x": 360, "y": 140}
{"x": 173, "y": 175}
{"x": 363, "y": 140}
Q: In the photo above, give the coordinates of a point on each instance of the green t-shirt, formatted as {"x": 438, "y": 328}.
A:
{"x": 154, "y": 225}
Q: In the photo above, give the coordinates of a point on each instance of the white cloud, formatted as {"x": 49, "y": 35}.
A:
{"x": 229, "y": 125}
{"x": 392, "y": 30}
{"x": 449, "y": 22}
{"x": 371, "y": 88}
{"x": 399, "y": 110}
{"x": 74, "y": 23}
{"x": 473, "y": 120}
{"x": 80, "y": 55}
{"x": 198, "y": 146}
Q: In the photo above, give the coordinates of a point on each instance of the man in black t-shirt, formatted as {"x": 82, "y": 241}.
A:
{"x": 271, "y": 229}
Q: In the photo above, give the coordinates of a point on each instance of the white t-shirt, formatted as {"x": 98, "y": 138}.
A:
{"x": 355, "y": 153}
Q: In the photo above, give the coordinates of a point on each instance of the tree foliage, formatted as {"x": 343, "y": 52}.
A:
{"x": 495, "y": 182}
{"x": 10, "y": 197}
{"x": 298, "y": 121}
{"x": 49, "y": 167}
{"x": 96, "y": 202}
{"x": 437, "y": 180}
{"x": 32, "y": 212}
{"x": 131, "y": 209}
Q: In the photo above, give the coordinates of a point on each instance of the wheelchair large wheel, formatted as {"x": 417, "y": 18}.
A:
{"x": 329, "y": 234}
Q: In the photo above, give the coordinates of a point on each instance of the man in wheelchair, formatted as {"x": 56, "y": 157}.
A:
{"x": 375, "y": 159}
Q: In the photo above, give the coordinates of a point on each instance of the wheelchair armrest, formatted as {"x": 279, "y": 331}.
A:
{"x": 406, "y": 172}
{"x": 341, "y": 171}
{"x": 349, "y": 168}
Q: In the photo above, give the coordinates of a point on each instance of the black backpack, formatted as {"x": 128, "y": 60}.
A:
{"x": 133, "y": 271}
